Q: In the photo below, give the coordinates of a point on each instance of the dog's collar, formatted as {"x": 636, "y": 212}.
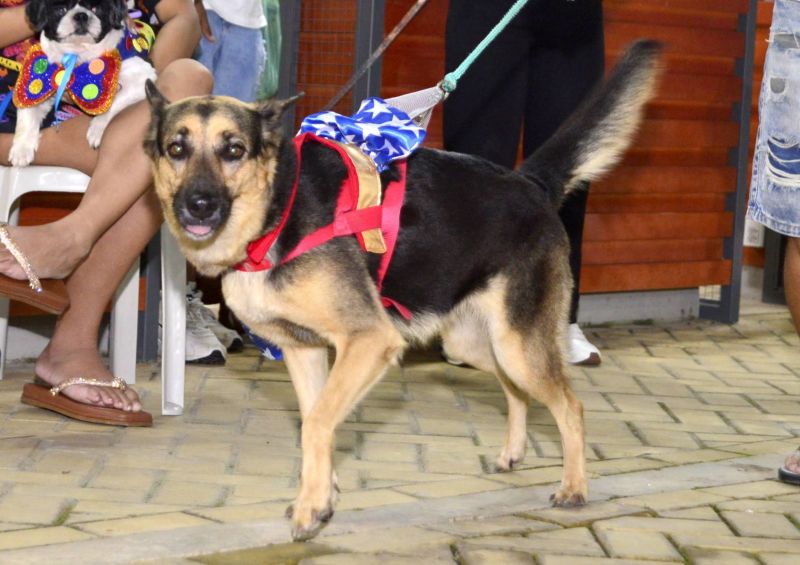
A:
{"x": 348, "y": 220}
{"x": 91, "y": 86}
{"x": 258, "y": 248}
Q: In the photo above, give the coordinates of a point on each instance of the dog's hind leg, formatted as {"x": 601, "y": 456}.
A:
{"x": 465, "y": 336}
{"x": 541, "y": 375}
{"x": 529, "y": 354}
{"x": 516, "y": 441}
{"x": 362, "y": 357}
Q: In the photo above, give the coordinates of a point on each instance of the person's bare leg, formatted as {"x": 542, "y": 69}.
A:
{"x": 791, "y": 287}
{"x": 73, "y": 349}
{"x": 791, "y": 279}
{"x": 120, "y": 174}
{"x": 64, "y": 145}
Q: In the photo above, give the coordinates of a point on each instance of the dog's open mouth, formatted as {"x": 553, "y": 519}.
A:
{"x": 201, "y": 212}
{"x": 198, "y": 230}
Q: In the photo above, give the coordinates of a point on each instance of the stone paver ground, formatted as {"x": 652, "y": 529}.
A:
{"x": 686, "y": 423}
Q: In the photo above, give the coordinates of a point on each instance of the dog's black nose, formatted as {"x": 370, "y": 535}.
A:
{"x": 202, "y": 205}
{"x": 81, "y": 19}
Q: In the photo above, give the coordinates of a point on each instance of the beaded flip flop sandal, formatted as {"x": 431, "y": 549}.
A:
{"x": 41, "y": 395}
{"x": 787, "y": 476}
{"x": 49, "y": 295}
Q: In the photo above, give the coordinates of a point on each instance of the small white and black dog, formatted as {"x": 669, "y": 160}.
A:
{"x": 108, "y": 60}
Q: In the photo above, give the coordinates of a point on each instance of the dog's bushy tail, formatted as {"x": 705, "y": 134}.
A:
{"x": 594, "y": 138}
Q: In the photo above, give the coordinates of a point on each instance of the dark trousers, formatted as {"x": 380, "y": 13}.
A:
{"x": 528, "y": 81}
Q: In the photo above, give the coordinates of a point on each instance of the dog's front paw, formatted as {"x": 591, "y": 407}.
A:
{"x": 568, "y": 498}
{"x": 94, "y": 134}
{"x": 309, "y": 518}
{"x": 307, "y": 522}
{"x": 510, "y": 458}
{"x": 23, "y": 151}
{"x": 506, "y": 463}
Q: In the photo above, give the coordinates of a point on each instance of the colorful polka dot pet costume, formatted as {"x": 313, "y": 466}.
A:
{"x": 90, "y": 85}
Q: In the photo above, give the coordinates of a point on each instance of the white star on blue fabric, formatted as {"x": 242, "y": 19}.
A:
{"x": 389, "y": 148}
{"x": 378, "y": 108}
{"x": 381, "y": 131}
{"x": 370, "y": 129}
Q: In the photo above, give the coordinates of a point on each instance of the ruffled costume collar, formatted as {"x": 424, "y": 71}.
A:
{"x": 91, "y": 85}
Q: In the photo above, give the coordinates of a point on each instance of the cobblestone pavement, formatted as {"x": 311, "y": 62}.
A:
{"x": 686, "y": 424}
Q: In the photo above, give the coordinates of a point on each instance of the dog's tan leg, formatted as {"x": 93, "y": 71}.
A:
{"x": 527, "y": 348}
{"x": 308, "y": 369}
{"x": 516, "y": 441}
{"x": 568, "y": 413}
{"x": 533, "y": 363}
{"x": 361, "y": 359}
{"x": 465, "y": 337}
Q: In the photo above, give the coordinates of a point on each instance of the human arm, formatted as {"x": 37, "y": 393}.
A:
{"x": 205, "y": 27}
{"x": 179, "y": 33}
{"x": 14, "y": 25}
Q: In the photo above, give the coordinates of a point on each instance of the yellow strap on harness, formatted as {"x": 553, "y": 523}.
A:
{"x": 369, "y": 193}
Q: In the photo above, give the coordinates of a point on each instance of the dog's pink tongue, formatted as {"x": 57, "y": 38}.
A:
{"x": 198, "y": 230}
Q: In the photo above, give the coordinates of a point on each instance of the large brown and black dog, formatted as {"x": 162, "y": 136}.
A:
{"x": 481, "y": 259}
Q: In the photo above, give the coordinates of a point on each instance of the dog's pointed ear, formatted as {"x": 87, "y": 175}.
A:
{"x": 154, "y": 96}
{"x": 157, "y": 104}
{"x": 36, "y": 12}
{"x": 118, "y": 14}
{"x": 271, "y": 111}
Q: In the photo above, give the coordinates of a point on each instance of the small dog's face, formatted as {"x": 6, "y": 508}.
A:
{"x": 76, "y": 22}
{"x": 214, "y": 161}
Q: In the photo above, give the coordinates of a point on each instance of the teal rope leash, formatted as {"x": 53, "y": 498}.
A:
{"x": 450, "y": 80}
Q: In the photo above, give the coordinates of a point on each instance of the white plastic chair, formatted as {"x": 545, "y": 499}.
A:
{"x": 16, "y": 181}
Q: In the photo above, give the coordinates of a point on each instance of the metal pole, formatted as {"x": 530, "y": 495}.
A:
{"x": 727, "y": 308}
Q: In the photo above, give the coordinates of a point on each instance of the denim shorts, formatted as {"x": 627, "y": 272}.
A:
{"x": 236, "y": 58}
{"x": 775, "y": 185}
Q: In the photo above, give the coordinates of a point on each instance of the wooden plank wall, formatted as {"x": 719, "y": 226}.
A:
{"x": 658, "y": 222}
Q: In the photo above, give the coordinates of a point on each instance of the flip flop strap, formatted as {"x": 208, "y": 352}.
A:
{"x": 116, "y": 382}
{"x": 22, "y": 259}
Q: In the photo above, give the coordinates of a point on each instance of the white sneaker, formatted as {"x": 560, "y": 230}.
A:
{"x": 231, "y": 340}
{"x": 202, "y": 346}
{"x": 580, "y": 351}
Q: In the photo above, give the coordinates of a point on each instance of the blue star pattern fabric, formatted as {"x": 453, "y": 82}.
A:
{"x": 381, "y": 131}
{"x": 268, "y": 349}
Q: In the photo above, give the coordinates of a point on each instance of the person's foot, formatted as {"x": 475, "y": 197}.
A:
{"x": 790, "y": 472}
{"x": 52, "y": 249}
{"x": 580, "y": 351}
{"x": 54, "y": 367}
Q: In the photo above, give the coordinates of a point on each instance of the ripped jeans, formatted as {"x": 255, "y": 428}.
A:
{"x": 775, "y": 185}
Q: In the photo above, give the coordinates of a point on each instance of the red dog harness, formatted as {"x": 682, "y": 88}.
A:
{"x": 348, "y": 219}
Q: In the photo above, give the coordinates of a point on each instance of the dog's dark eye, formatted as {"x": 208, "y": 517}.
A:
{"x": 233, "y": 152}
{"x": 176, "y": 150}
{"x": 60, "y": 11}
